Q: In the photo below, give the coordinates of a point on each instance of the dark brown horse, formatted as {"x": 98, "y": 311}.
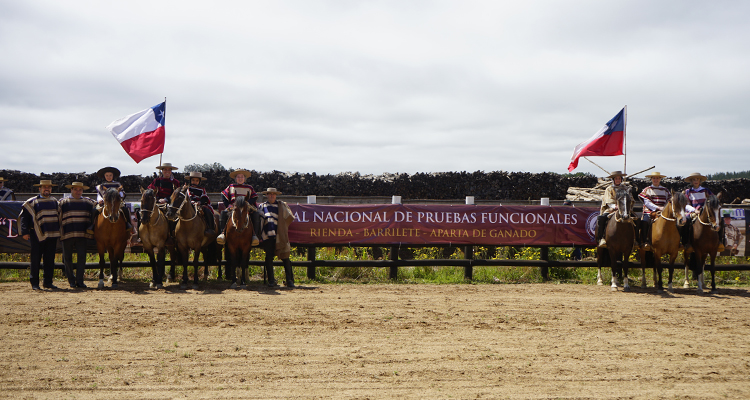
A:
{"x": 705, "y": 242}
{"x": 239, "y": 236}
{"x": 665, "y": 239}
{"x": 189, "y": 233}
{"x": 154, "y": 232}
{"x": 111, "y": 235}
{"x": 619, "y": 235}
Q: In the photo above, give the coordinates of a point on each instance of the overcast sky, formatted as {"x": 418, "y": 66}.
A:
{"x": 377, "y": 86}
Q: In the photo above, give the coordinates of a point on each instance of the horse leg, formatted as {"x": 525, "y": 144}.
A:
{"x": 243, "y": 254}
{"x": 599, "y": 277}
{"x": 613, "y": 263}
{"x": 658, "y": 269}
{"x": 625, "y": 267}
{"x": 185, "y": 257}
{"x": 101, "y": 271}
{"x": 671, "y": 275}
{"x": 686, "y": 285}
{"x": 113, "y": 265}
{"x": 700, "y": 270}
{"x": 229, "y": 269}
{"x": 713, "y": 274}
{"x": 196, "y": 268}
{"x": 644, "y": 261}
{"x": 154, "y": 267}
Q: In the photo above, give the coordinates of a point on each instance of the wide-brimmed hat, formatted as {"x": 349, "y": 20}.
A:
{"x": 270, "y": 190}
{"x": 45, "y": 182}
{"x": 616, "y": 173}
{"x": 197, "y": 174}
{"x": 3, "y": 179}
{"x": 167, "y": 165}
{"x": 695, "y": 175}
{"x": 239, "y": 171}
{"x": 656, "y": 175}
{"x": 77, "y": 185}
{"x": 115, "y": 172}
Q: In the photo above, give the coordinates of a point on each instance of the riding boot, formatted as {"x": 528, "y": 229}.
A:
{"x": 94, "y": 216}
{"x": 126, "y": 214}
{"x": 209, "y": 218}
{"x": 646, "y": 234}
{"x": 636, "y": 234}
{"x": 222, "y": 226}
{"x": 601, "y": 227}
{"x": 289, "y": 273}
{"x": 687, "y": 237}
{"x": 257, "y": 227}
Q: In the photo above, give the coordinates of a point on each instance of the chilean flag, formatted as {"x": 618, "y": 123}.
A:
{"x": 141, "y": 134}
{"x": 608, "y": 141}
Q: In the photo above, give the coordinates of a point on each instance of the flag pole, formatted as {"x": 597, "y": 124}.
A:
{"x": 600, "y": 167}
{"x": 165, "y": 115}
{"x": 625, "y": 141}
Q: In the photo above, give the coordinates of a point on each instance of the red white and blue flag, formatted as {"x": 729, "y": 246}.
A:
{"x": 608, "y": 141}
{"x": 141, "y": 134}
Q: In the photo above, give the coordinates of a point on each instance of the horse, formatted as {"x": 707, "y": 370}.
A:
{"x": 189, "y": 233}
{"x": 239, "y": 235}
{"x": 154, "y": 232}
{"x": 705, "y": 242}
{"x": 619, "y": 235}
{"x": 665, "y": 240}
{"x": 111, "y": 235}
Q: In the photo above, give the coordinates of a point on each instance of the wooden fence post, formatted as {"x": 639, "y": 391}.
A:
{"x": 311, "y": 268}
{"x": 544, "y": 255}
{"x": 469, "y": 255}
{"x": 393, "y": 271}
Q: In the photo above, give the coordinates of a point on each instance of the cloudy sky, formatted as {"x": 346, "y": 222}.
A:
{"x": 376, "y": 86}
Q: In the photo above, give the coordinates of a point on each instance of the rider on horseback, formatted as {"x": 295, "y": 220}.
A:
{"x": 654, "y": 198}
{"x": 198, "y": 194}
{"x": 228, "y": 196}
{"x": 697, "y": 196}
{"x": 609, "y": 206}
{"x": 109, "y": 174}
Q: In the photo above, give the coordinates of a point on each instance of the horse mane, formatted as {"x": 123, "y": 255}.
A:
{"x": 239, "y": 202}
{"x": 680, "y": 199}
{"x": 111, "y": 196}
{"x": 712, "y": 202}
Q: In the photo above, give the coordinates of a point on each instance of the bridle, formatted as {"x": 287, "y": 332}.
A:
{"x": 179, "y": 209}
{"x": 154, "y": 210}
{"x": 713, "y": 224}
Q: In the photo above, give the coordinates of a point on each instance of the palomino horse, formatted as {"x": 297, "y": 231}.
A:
{"x": 665, "y": 239}
{"x": 705, "y": 242}
{"x": 154, "y": 232}
{"x": 619, "y": 235}
{"x": 189, "y": 234}
{"x": 239, "y": 238}
{"x": 111, "y": 235}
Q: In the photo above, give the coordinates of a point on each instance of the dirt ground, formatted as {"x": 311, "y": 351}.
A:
{"x": 374, "y": 341}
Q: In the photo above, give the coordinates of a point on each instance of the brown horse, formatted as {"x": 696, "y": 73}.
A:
{"x": 619, "y": 235}
{"x": 239, "y": 235}
{"x": 111, "y": 235}
{"x": 189, "y": 233}
{"x": 705, "y": 242}
{"x": 665, "y": 240}
{"x": 154, "y": 232}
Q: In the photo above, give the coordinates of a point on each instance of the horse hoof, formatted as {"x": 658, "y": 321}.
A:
{"x": 600, "y": 283}
{"x": 114, "y": 286}
{"x": 183, "y": 287}
{"x": 613, "y": 288}
{"x": 686, "y": 285}
{"x": 195, "y": 287}
{"x": 100, "y": 285}
{"x": 243, "y": 286}
{"x": 233, "y": 286}
{"x": 626, "y": 289}
{"x": 151, "y": 285}
{"x": 714, "y": 291}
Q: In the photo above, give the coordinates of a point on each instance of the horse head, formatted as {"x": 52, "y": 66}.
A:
{"x": 148, "y": 201}
{"x": 624, "y": 199}
{"x": 176, "y": 202}
{"x": 678, "y": 202}
{"x": 112, "y": 202}
{"x": 241, "y": 213}
{"x": 712, "y": 208}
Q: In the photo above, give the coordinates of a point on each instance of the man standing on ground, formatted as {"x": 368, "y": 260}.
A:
{"x": 276, "y": 219}
{"x": 75, "y": 214}
{"x": 39, "y": 223}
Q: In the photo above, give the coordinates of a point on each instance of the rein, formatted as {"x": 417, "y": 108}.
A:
{"x": 247, "y": 219}
{"x": 708, "y": 215}
{"x": 154, "y": 210}
{"x": 179, "y": 209}
{"x": 104, "y": 213}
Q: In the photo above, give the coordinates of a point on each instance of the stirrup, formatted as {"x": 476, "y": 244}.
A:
{"x": 647, "y": 246}
{"x": 721, "y": 248}
{"x": 688, "y": 249}
{"x": 603, "y": 243}
{"x": 220, "y": 239}
{"x": 255, "y": 241}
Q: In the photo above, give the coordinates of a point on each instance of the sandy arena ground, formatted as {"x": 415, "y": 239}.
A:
{"x": 374, "y": 341}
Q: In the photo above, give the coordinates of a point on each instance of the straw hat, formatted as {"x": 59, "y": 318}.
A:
{"x": 45, "y": 182}
{"x": 77, "y": 185}
{"x": 197, "y": 174}
{"x": 616, "y": 173}
{"x": 167, "y": 165}
{"x": 695, "y": 175}
{"x": 3, "y": 179}
{"x": 239, "y": 171}
{"x": 270, "y": 190}
{"x": 656, "y": 175}
{"x": 115, "y": 173}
